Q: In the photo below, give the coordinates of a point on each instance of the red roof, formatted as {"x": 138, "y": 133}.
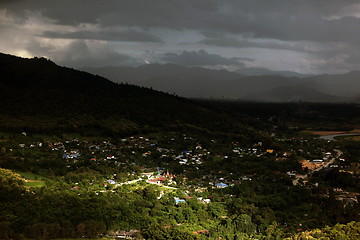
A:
{"x": 161, "y": 179}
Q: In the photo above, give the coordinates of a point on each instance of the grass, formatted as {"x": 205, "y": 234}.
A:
{"x": 29, "y": 175}
{"x": 355, "y": 138}
{"x": 352, "y": 138}
{"x": 34, "y": 184}
{"x": 34, "y": 179}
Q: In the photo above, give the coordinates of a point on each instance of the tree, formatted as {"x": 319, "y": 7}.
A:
{"x": 5, "y": 230}
{"x": 11, "y": 185}
{"x": 155, "y": 232}
{"x": 350, "y": 231}
{"x": 244, "y": 224}
{"x": 81, "y": 230}
{"x": 273, "y": 231}
{"x": 94, "y": 228}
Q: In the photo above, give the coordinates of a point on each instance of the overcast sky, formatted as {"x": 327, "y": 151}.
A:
{"x": 307, "y": 36}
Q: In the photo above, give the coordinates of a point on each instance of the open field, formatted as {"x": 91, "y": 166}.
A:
{"x": 31, "y": 179}
{"x": 29, "y": 175}
{"x": 34, "y": 184}
{"x": 324, "y": 133}
{"x": 353, "y": 138}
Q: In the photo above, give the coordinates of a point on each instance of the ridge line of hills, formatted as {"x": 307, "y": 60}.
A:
{"x": 40, "y": 96}
{"x": 197, "y": 82}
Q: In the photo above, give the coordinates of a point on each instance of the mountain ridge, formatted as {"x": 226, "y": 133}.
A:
{"x": 207, "y": 83}
{"x": 43, "y": 97}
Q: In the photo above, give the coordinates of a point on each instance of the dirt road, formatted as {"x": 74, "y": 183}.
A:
{"x": 327, "y": 164}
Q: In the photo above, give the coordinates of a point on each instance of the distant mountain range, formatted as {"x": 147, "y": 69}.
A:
{"x": 254, "y": 84}
{"x": 268, "y": 72}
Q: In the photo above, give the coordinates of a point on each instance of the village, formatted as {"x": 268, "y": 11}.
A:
{"x": 185, "y": 172}
{"x": 163, "y": 163}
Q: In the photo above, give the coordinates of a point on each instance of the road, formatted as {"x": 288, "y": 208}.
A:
{"x": 140, "y": 179}
{"x": 129, "y": 182}
{"x": 327, "y": 164}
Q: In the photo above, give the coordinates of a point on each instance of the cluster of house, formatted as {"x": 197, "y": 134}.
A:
{"x": 35, "y": 144}
{"x": 317, "y": 163}
{"x": 182, "y": 200}
{"x": 348, "y": 198}
{"x": 187, "y": 157}
{"x": 75, "y": 150}
{"x": 141, "y": 148}
{"x": 72, "y": 154}
{"x": 159, "y": 178}
{"x": 122, "y": 234}
{"x": 256, "y": 150}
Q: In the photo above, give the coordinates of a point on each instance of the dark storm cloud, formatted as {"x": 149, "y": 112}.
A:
{"x": 81, "y": 54}
{"x": 323, "y": 50}
{"x": 124, "y": 35}
{"x": 278, "y": 19}
{"x": 354, "y": 57}
{"x": 299, "y": 26}
{"x": 232, "y": 42}
{"x": 201, "y": 58}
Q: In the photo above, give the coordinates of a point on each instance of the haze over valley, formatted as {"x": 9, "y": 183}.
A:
{"x": 196, "y": 82}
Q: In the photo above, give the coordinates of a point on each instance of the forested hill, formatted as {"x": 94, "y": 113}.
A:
{"x": 37, "y": 95}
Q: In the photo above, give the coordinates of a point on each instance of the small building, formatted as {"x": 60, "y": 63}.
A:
{"x": 318, "y": 160}
{"x": 111, "y": 181}
{"x": 221, "y": 185}
{"x": 291, "y": 174}
{"x": 178, "y": 200}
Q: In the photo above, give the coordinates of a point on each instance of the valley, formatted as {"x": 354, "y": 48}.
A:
{"x": 83, "y": 157}
{"x": 179, "y": 120}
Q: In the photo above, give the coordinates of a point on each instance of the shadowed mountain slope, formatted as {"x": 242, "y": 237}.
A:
{"x": 346, "y": 85}
{"x": 37, "y": 95}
